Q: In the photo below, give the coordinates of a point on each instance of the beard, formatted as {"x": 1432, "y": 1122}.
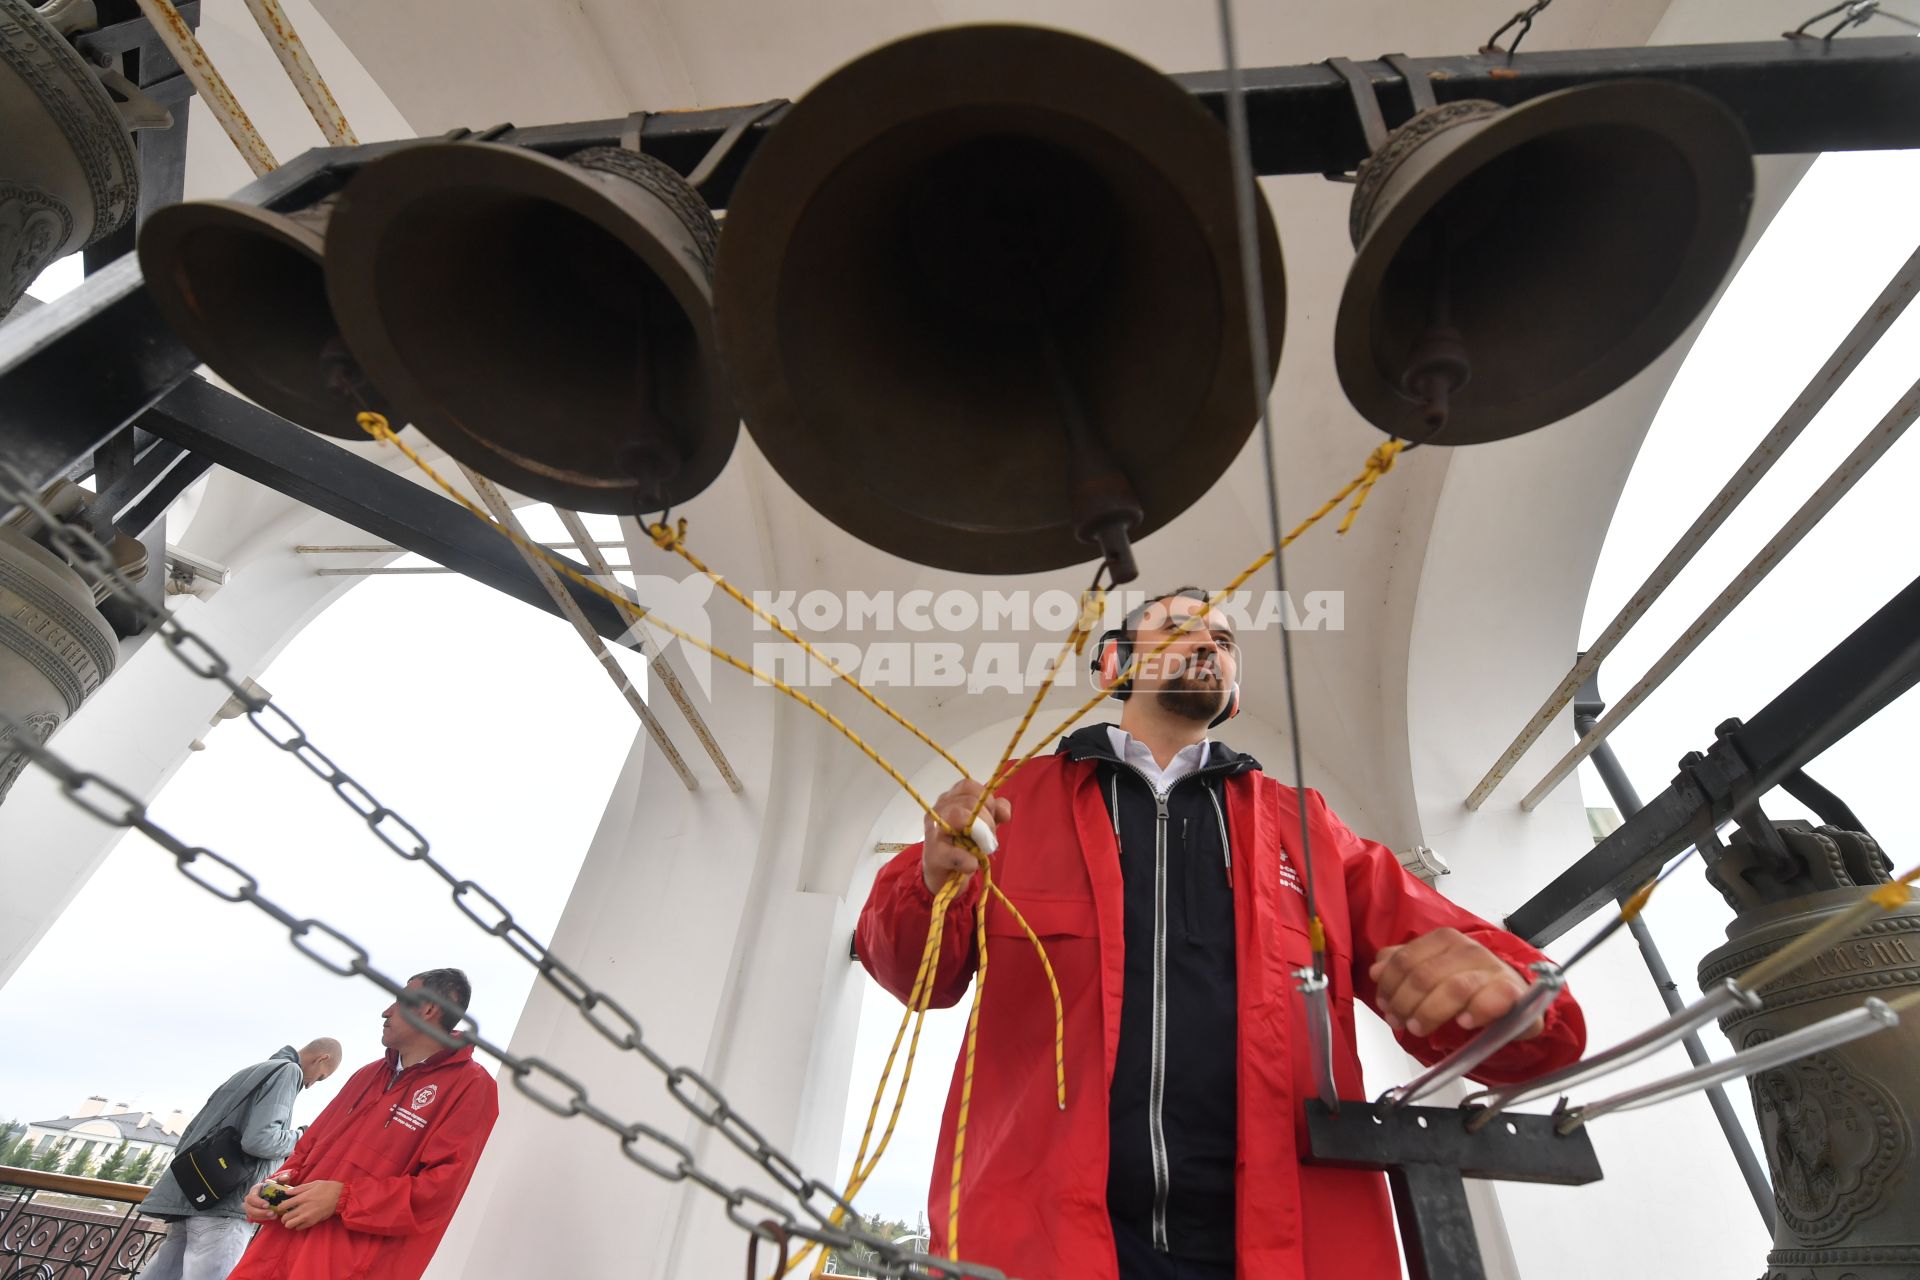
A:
{"x": 1194, "y": 695}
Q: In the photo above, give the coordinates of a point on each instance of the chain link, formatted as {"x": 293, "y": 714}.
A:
{"x": 340, "y": 954}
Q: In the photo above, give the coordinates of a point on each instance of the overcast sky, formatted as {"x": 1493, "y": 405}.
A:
{"x": 507, "y": 762}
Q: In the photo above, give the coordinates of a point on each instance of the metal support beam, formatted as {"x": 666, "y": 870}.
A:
{"x": 262, "y": 446}
{"x": 1586, "y": 711}
{"x": 73, "y": 373}
{"x": 556, "y": 589}
{"x": 161, "y": 153}
{"x": 1426, "y": 1153}
{"x": 657, "y": 664}
{"x": 1859, "y": 676}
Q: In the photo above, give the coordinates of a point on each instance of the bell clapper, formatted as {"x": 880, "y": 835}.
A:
{"x": 1438, "y": 365}
{"x": 1105, "y": 508}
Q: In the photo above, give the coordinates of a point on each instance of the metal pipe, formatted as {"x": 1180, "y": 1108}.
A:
{"x": 209, "y": 84}
{"x": 292, "y": 52}
{"x": 1846, "y": 357}
{"x": 399, "y": 571}
{"x": 570, "y": 609}
{"x": 1828, "y": 1033}
{"x": 1313, "y": 991}
{"x": 657, "y": 664}
{"x": 376, "y": 548}
{"x": 1548, "y": 983}
{"x": 1621, "y": 788}
{"x": 1683, "y": 1022}
{"x": 1842, "y": 479}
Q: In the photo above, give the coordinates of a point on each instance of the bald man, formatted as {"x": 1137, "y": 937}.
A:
{"x": 205, "y": 1238}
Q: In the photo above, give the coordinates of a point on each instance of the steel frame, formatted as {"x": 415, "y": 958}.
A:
{"x": 75, "y": 373}
{"x": 1859, "y": 676}
{"x": 1427, "y": 1152}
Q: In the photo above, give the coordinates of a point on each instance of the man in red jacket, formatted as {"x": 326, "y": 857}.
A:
{"x": 377, "y": 1177}
{"x": 1163, "y": 872}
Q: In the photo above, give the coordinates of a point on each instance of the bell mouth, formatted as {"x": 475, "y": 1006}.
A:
{"x": 1569, "y": 241}
{"x": 543, "y": 323}
{"x": 908, "y": 241}
{"x": 244, "y": 288}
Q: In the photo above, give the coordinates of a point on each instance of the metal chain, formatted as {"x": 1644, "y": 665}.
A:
{"x": 340, "y": 954}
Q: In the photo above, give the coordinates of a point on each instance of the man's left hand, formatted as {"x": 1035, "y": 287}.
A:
{"x": 1443, "y": 977}
{"x": 309, "y": 1205}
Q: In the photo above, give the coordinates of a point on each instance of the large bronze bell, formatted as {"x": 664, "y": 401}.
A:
{"x": 546, "y": 322}
{"x": 68, "y": 173}
{"x": 1515, "y": 265}
{"x": 979, "y": 296}
{"x": 243, "y": 287}
{"x": 1839, "y": 1126}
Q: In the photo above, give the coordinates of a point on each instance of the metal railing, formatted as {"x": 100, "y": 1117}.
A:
{"x": 46, "y": 1235}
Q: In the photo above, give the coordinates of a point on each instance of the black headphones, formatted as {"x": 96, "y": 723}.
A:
{"x": 1114, "y": 651}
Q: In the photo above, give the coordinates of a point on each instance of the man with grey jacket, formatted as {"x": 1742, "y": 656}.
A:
{"x": 205, "y": 1244}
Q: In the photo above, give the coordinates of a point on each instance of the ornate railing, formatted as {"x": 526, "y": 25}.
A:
{"x": 45, "y": 1235}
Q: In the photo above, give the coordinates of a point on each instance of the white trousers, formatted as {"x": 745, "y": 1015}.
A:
{"x": 204, "y": 1248}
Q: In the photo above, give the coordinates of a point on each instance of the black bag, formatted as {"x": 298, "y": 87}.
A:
{"x": 213, "y": 1168}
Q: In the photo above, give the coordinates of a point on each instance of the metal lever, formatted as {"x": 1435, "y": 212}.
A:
{"x": 1489, "y": 1103}
{"x": 1548, "y": 982}
{"x": 1313, "y": 988}
{"x": 1828, "y": 1033}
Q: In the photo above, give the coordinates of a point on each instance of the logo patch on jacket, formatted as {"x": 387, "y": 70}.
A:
{"x": 425, "y": 1096}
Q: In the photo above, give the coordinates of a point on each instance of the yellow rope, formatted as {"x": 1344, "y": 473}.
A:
{"x": 1093, "y": 604}
{"x": 1059, "y": 1013}
{"x": 376, "y": 426}
{"x": 966, "y": 1073}
{"x": 920, "y": 997}
{"x": 1379, "y": 462}
{"x": 674, "y": 540}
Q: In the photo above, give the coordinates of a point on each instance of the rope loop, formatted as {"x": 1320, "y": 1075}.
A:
{"x": 666, "y": 538}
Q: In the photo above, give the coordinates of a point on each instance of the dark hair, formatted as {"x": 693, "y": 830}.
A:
{"x": 450, "y": 985}
{"x": 1130, "y": 625}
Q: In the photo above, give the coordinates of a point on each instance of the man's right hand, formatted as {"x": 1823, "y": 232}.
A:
{"x": 942, "y": 854}
{"x": 258, "y": 1210}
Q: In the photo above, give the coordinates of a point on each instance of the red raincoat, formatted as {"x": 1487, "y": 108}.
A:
{"x": 404, "y": 1152}
{"x": 1033, "y": 1196}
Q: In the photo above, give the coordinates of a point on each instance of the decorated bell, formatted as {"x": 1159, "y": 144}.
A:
{"x": 546, "y": 322}
{"x": 1514, "y": 265}
{"x": 1841, "y": 1127}
{"x": 980, "y": 299}
{"x": 243, "y": 287}
{"x": 57, "y": 649}
{"x": 68, "y": 176}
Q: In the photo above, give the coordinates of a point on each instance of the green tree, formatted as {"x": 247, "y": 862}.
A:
{"x": 80, "y": 1163}
{"x": 50, "y": 1156}
{"x": 114, "y": 1167}
{"x": 153, "y": 1172}
{"x": 14, "y": 1147}
{"x": 139, "y": 1167}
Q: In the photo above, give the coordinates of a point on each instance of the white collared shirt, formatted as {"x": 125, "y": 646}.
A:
{"x": 1135, "y": 753}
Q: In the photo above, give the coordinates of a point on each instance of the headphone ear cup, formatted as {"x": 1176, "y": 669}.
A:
{"x": 1229, "y": 711}
{"x": 1108, "y": 663}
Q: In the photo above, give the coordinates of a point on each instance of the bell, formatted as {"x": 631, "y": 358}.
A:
{"x": 1514, "y": 265}
{"x": 546, "y": 322}
{"x": 980, "y": 299}
{"x": 56, "y": 650}
{"x": 70, "y": 174}
{"x": 1838, "y": 1127}
{"x": 244, "y": 289}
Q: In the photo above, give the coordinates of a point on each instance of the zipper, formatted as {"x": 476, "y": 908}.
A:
{"x": 1157, "y": 1074}
{"x": 1226, "y": 850}
{"x": 1157, "y": 1080}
